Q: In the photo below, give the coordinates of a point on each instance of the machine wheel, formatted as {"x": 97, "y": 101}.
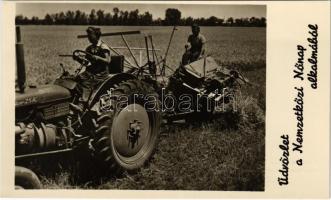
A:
{"x": 126, "y": 136}
{"x": 26, "y": 179}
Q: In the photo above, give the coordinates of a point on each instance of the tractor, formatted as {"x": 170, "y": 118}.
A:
{"x": 120, "y": 125}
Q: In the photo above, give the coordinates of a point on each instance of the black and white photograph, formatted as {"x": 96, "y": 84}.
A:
{"x": 140, "y": 96}
{"x": 165, "y": 99}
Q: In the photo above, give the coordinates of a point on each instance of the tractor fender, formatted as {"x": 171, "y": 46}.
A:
{"x": 107, "y": 84}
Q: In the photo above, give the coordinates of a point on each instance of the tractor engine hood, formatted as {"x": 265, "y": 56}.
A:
{"x": 41, "y": 95}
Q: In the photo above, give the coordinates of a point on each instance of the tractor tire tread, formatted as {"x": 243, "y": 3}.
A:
{"x": 102, "y": 140}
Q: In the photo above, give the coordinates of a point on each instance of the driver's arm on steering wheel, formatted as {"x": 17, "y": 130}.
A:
{"x": 106, "y": 59}
{"x": 100, "y": 55}
{"x": 95, "y": 58}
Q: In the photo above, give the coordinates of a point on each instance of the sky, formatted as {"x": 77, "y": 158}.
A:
{"x": 157, "y": 10}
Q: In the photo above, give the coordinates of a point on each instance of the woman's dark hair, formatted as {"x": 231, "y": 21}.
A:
{"x": 195, "y": 26}
{"x": 94, "y": 30}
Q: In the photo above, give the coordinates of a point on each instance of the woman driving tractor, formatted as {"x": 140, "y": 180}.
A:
{"x": 98, "y": 55}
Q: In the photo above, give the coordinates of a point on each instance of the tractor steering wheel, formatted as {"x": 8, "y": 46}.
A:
{"x": 81, "y": 57}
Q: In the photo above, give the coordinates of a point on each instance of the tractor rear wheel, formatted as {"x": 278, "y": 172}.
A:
{"x": 127, "y": 134}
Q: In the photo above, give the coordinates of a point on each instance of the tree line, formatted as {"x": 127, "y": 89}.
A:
{"x": 134, "y": 18}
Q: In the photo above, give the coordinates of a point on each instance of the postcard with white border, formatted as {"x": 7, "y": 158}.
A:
{"x": 165, "y": 99}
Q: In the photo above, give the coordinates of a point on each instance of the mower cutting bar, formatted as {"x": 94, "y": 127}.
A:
{"x": 114, "y": 34}
{"x": 65, "y": 55}
{"x": 43, "y": 153}
{"x": 136, "y": 48}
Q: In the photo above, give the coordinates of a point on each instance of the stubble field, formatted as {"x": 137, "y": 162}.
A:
{"x": 206, "y": 156}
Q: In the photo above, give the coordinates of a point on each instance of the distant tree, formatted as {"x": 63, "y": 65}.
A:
{"x": 133, "y": 17}
{"x": 69, "y": 17}
{"x": 245, "y": 22}
{"x": 35, "y": 20}
{"x": 200, "y": 21}
{"x": 125, "y": 18}
{"x": 158, "y": 22}
{"x": 261, "y": 22}
{"x": 120, "y": 17}
{"x": 212, "y": 21}
{"x": 19, "y": 19}
{"x": 77, "y": 19}
{"x": 92, "y": 17}
{"x": 108, "y": 19}
{"x": 115, "y": 16}
{"x": 26, "y": 20}
{"x": 61, "y": 18}
{"x": 48, "y": 20}
{"x": 172, "y": 16}
{"x": 188, "y": 21}
{"x": 146, "y": 19}
{"x": 100, "y": 17}
{"x": 230, "y": 21}
{"x": 80, "y": 18}
{"x": 220, "y": 22}
{"x": 56, "y": 18}
{"x": 238, "y": 22}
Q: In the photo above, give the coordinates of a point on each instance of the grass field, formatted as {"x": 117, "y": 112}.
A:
{"x": 207, "y": 156}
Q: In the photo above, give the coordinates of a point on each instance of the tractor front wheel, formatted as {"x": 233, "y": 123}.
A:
{"x": 127, "y": 133}
{"x": 26, "y": 179}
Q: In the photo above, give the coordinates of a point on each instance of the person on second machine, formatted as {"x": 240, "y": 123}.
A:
{"x": 195, "y": 46}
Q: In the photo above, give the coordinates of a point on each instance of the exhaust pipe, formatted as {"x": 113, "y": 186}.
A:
{"x": 20, "y": 64}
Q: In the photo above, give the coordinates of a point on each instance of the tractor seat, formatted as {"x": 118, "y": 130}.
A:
{"x": 116, "y": 64}
{"x": 201, "y": 67}
{"x": 196, "y": 72}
